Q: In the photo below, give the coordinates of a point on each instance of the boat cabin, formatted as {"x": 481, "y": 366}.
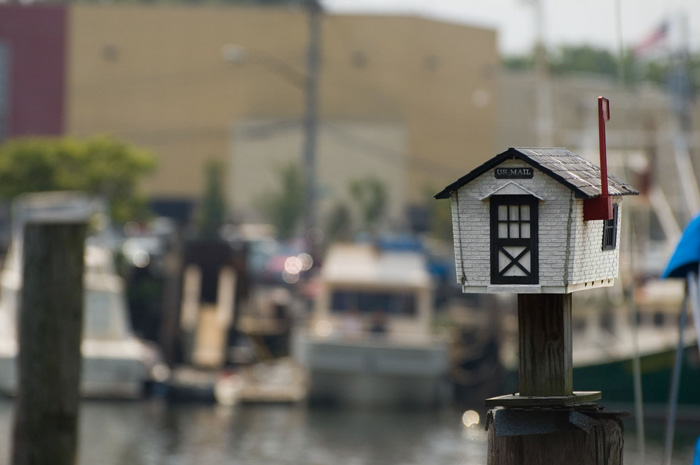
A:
{"x": 368, "y": 292}
{"x": 521, "y": 224}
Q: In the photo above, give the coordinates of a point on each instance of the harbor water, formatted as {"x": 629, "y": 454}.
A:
{"x": 153, "y": 432}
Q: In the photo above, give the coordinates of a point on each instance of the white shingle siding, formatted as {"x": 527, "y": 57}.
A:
{"x": 558, "y": 208}
{"x": 591, "y": 263}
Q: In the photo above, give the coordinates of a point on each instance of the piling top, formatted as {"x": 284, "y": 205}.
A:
{"x": 577, "y": 399}
{"x": 56, "y": 207}
{"x": 53, "y": 207}
{"x": 511, "y": 422}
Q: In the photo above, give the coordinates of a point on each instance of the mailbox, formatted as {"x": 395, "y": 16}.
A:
{"x": 521, "y": 223}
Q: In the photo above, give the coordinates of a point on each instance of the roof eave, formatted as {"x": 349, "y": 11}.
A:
{"x": 478, "y": 171}
{"x": 515, "y": 153}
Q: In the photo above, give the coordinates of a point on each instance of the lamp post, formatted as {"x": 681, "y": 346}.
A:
{"x": 312, "y": 233}
{"x": 308, "y": 83}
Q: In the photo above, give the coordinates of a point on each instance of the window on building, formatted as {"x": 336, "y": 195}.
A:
{"x": 610, "y": 231}
{"x": 390, "y": 303}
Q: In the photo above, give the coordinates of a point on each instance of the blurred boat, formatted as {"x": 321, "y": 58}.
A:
{"x": 116, "y": 364}
{"x": 369, "y": 340}
{"x": 280, "y": 380}
{"x": 604, "y": 343}
{"x": 604, "y": 347}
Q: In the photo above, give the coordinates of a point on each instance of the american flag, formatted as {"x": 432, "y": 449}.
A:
{"x": 652, "y": 41}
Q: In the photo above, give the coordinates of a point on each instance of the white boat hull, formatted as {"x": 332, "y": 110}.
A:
{"x": 115, "y": 362}
{"x": 114, "y": 369}
{"x": 373, "y": 372}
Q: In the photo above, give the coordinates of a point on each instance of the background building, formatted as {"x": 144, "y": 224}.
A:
{"x": 405, "y": 99}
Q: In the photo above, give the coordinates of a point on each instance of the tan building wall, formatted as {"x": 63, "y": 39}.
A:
{"x": 352, "y": 151}
{"x": 157, "y": 77}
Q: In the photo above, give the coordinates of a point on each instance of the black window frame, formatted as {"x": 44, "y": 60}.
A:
{"x": 610, "y": 231}
{"x": 533, "y": 240}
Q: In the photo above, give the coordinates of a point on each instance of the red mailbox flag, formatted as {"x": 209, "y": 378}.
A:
{"x": 600, "y": 208}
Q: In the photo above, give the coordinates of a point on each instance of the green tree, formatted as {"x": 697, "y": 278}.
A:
{"x": 213, "y": 209}
{"x": 570, "y": 59}
{"x": 284, "y": 208}
{"x": 339, "y": 223}
{"x": 583, "y": 59}
{"x": 518, "y": 62}
{"x": 101, "y": 165}
{"x": 371, "y": 197}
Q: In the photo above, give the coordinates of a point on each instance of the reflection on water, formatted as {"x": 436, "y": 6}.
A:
{"x": 153, "y": 432}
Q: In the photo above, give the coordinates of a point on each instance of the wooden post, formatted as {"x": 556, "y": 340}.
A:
{"x": 169, "y": 334}
{"x": 544, "y": 331}
{"x": 548, "y": 437}
{"x": 545, "y": 377}
{"x": 552, "y": 424}
{"x": 50, "y": 330}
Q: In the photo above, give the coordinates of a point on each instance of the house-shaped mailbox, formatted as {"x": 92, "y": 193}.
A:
{"x": 519, "y": 224}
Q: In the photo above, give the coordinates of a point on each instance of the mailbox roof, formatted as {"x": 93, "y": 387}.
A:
{"x": 570, "y": 169}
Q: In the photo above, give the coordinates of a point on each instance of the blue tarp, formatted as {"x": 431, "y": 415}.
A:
{"x": 686, "y": 257}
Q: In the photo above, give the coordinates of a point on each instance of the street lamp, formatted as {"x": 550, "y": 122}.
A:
{"x": 308, "y": 83}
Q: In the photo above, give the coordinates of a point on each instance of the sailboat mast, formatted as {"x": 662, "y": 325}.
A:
{"x": 542, "y": 82}
{"x": 679, "y": 89}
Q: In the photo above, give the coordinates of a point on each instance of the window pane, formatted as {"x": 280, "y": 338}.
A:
{"x": 610, "y": 231}
{"x": 502, "y": 212}
{"x": 343, "y": 300}
{"x": 503, "y": 261}
{"x": 514, "y": 271}
{"x": 525, "y": 230}
{"x": 514, "y": 230}
{"x": 513, "y": 209}
{"x": 525, "y": 212}
{"x": 502, "y": 230}
{"x": 525, "y": 262}
{"x": 514, "y": 250}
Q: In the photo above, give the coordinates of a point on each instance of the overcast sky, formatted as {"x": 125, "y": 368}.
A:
{"x": 565, "y": 21}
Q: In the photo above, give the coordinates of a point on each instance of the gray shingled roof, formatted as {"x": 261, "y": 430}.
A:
{"x": 572, "y": 170}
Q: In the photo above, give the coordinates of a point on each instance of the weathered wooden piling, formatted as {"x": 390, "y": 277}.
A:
{"x": 569, "y": 436}
{"x": 547, "y": 422}
{"x": 50, "y": 330}
{"x": 542, "y": 223}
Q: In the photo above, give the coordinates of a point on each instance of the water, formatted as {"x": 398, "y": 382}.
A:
{"x": 152, "y": 432}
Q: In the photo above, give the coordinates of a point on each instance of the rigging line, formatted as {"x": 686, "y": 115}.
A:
{"x": 636, "y": 368}
{"x": 677, "y": 368}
